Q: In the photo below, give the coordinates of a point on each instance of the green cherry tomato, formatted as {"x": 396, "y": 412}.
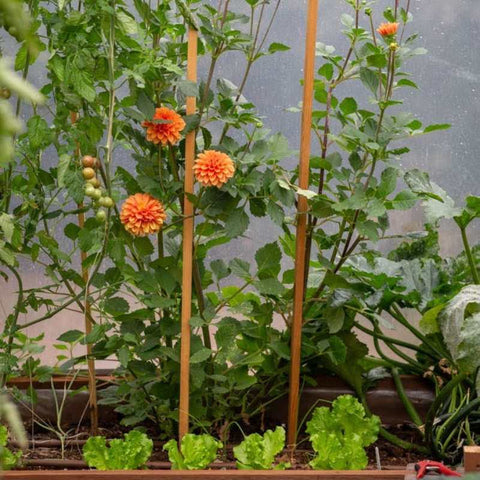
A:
{"x": 88, "y": 173}
{"x": 89, "y": 190}
{"x": 97, "y": 194}
{"x": 101, "y": 216}
{"x": 107, "y": 202}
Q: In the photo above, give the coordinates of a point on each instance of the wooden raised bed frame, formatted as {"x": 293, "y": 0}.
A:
{"x": 207, "y": 475}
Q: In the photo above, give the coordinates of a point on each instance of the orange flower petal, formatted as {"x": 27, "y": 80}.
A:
{"x": 387, "y": 29}
{"x": 142, "y": 214}
{"x": 213, "y": 169}
{"x": 167, "y": 133}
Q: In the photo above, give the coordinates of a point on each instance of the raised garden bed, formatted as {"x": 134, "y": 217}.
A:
{"x": 207, "y": 474}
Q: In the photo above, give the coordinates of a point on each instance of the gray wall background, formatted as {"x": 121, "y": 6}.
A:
{"x": 449, "y": 81}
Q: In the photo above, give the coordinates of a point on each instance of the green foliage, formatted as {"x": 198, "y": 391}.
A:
{"x": 460, "y": 325}
{"x": 196, "y": 452}
{"x": 339, "y": 435}
{"x": 130, "y": 453}
{"x": 258, "y": 452}
{"x": 8, "y": 459}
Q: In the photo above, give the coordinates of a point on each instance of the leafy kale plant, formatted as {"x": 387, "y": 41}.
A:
{"x": 339, "y": 435}
{"x": 129, "y": 454}
{"x": 258, "y": 452}
{"x": 196, "y": 452}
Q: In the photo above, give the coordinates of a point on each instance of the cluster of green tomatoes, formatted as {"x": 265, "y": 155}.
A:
{"x": 93, "y": 187}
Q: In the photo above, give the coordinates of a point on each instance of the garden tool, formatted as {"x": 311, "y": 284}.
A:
{"x": 427, "y": 467}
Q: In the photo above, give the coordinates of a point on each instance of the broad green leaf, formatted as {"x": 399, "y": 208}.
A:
{"x": 268, "y": 260}
{"x": 237, "y": 223}
{"x": 62, "y": 168}
{"x": 460, "y": 326}
{"x": 7, "y": 226}
{"x": 348, "y": 105}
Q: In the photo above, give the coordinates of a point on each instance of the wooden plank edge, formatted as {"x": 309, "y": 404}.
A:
{"x": 206, "y": 474}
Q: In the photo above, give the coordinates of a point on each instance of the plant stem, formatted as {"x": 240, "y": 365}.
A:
{"x": 468, "y": 253}
{"x": 412, "y": 412}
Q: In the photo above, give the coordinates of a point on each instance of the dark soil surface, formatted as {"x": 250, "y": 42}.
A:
{"x": 46, "y": 449}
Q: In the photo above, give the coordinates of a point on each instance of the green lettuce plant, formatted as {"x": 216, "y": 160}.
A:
{"x": 339, "y": 435}
{"x": 196, "y": 452}
{"x": 130, "y": 453}
{"x": 258, "y": 452}
{"x": 8, "y": 459}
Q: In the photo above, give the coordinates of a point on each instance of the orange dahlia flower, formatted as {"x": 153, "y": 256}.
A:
{"x": 142, "y": 214}
{"x": 387, "y": 29}
{"x": 213, "y": 169}
{"x": 167, "y": 131}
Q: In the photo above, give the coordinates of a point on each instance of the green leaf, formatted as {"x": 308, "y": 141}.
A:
{"x": 370, "y": 79}
{"x": 429, "y": 321}
{"x": 257, "y": 452}
{"x": 460, "y": 326}
{"x": 270, "y": 286}
{"x": 348, "y": 105}
{"x": 435, "y": 127}
{"x": 145, "y": 105}
{"x": 116, "y": 306}
{"x": 201, "y": 355}
{"x": 237, "y": 223}
{"x": 403, "y": 201}
{"x": 240, "y": 268}
{"x": 338, "y": 350}
{"x": 174, "y": 455}
{"x": 388, "y": 182}
{"x": 277, "y": 47}
{"x": 268, "y": 260}
{"x": 437, "y": 203}
{"x": 39, "y": 134}
{"x": 188, "y": 88}
{"x": 326, "y": 70}
{"x": 71, "y": 336}
{"x": 7, "y": 226}
{"x": 197, "y": 452}
{"x": 219, "y": 269}
{"x": 405, "y": 82}
{"x": 62, "y": 168}
{"x": 83, "y": 84}
{"x": 378, "y": 60}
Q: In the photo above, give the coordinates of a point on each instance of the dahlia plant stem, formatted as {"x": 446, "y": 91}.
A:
{"x": 349, "y": 248}
{"x": 197, "y": 279}
{"x": 253, "y": 54}
{"x": 160, "y": 177}
{"x": 213, "y": 62}
{"x": 312, "y": 221}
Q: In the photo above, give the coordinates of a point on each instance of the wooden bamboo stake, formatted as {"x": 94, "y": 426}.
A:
{"x": 92, "y": 382}
{"x": 302, "y": 205}
{"x": 188, "y": 226}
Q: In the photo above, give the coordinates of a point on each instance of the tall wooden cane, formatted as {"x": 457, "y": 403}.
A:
{"x": 188, "y": 226}
{"x": 303, "y": 182}
{"x": 92, "y": 380}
